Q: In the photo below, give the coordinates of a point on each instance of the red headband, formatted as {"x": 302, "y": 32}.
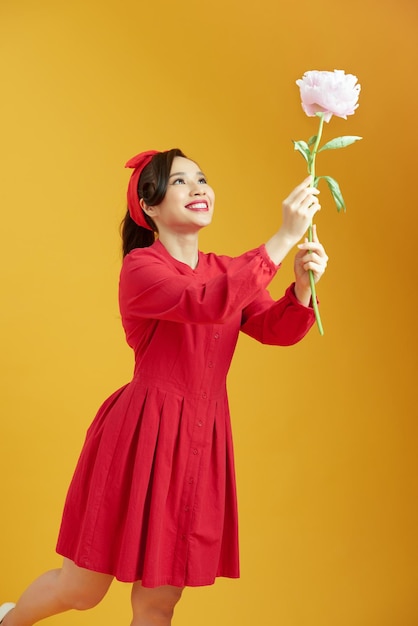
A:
{"x": 138, "y": 162}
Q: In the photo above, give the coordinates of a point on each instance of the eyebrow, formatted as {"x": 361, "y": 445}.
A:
{"x": 185, "y": 174}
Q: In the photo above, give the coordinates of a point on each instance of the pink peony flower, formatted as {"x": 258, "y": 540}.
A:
{"x": 330, "y": 93}
{"x": 325, "y": 94}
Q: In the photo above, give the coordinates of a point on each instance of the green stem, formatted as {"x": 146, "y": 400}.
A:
{"x": 311, "y": 164}
{"x": 311, "y": 171}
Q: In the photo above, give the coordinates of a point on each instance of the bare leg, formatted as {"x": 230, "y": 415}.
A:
{"x": 56, "y": 591}
{"x": 154, "y": 607}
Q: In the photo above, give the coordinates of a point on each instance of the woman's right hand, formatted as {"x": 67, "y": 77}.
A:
{"x": 298, "y": 210}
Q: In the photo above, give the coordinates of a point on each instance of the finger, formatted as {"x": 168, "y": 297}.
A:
{"x": 319, "y": 257}
{"x": 302, "y": 189}
{"x": 315, "y": 246}
{"x": 309, "y": 194}
{"x": 307, "y": 182}
{"x": 307, "y": 204}
{"x": 312, "y": 246}
{"x": 312, "y": 257}
{"x": 316, "y": 259}
{"x": 317, "y": 268}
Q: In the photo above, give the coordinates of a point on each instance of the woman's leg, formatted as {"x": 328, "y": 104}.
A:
{"x": 154, "y": 607}
{"x": 56, "y": 591}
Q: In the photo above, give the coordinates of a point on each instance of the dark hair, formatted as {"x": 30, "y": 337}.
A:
{"x": 152, "y": 187}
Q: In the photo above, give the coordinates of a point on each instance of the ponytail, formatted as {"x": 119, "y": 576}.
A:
{"x": 134, "y": 236}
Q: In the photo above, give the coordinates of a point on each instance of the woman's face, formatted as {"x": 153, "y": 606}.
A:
{"x": 189, "y": 202}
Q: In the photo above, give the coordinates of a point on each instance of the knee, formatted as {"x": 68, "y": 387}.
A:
{"x": 81, "y": 589}
{"x": 156, "y": 605}
{"x": 164, "y": 608}
{"x": 81, "y": 599}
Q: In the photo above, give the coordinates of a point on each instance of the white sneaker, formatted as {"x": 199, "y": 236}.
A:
{"x": 4, "y": 609}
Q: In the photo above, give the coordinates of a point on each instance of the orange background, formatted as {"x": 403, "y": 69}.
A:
{"x": 326, "y": 431}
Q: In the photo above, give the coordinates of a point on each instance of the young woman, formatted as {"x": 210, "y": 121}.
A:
{"x": 152, "y": 501}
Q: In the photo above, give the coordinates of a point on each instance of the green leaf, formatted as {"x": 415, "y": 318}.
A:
{"x": 312, "y": 140}
{"x": 335, "y": 190}
{"x": 303, "y": 148}
{"x": 340, "y": 142}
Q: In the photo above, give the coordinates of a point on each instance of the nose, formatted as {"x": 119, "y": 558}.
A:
{"x": 197, "y": 190}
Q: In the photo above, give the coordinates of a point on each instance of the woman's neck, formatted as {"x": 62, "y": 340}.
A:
{"x": 183, "y": 247}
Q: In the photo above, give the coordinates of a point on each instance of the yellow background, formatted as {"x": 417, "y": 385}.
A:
{"x": 326, "y": 431}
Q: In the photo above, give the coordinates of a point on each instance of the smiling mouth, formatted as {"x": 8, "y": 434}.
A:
{"x": 197, "y": 206}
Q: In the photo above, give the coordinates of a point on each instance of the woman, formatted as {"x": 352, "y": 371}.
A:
{"x": 153, "y": 500}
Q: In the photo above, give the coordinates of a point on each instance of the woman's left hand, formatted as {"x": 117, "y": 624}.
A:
{"x": 311, "y": 256}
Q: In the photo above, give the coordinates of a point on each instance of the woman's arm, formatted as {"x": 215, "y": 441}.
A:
{"x": 286, "y": 321}
{"x": 151, "y": 288}
{"x": 297, "y": 213}
{"x": 278, "y": 323}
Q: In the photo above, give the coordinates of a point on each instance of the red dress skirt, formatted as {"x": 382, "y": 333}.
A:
{"x": 153, "y": 496}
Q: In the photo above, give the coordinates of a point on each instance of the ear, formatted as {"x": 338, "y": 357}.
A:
{"x": 149, "y": 210}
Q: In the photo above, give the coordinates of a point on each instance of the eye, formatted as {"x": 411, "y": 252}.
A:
{"x": 203, "y": 181}
{"x": 178, "y": 181}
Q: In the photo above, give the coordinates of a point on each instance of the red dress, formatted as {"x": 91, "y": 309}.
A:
{"x": 153, "y": 496}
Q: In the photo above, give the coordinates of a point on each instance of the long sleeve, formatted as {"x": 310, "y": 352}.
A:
{"x": 280, "y": 323}
{"x": 155, "y": 287}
